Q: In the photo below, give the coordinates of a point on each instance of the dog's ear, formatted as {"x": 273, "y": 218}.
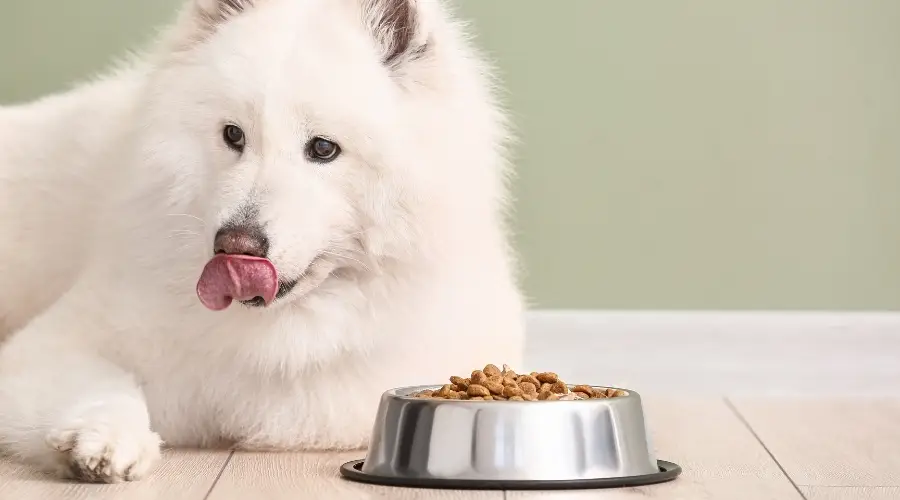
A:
{"x": 399, "y": 28}
{"x": 200, "y": 18}
{"x": 219, "y": 11}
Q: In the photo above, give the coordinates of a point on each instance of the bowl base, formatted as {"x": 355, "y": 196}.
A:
{"x": 667, "y": 472}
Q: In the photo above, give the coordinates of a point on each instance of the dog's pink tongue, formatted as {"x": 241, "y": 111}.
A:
{"x": 236, "y": 277}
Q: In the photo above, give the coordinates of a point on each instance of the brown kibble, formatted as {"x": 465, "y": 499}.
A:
{"x": 511, "y": 391}
{"x": 460, "y": 382}
{"x": 583, "y": 388}
{"x": 478, "y": 390}
{"x": 559, "y": 388}
{"x": 494, "y": 387}
{"x": 494, "y": 384}
{"x": 491, "y": 370}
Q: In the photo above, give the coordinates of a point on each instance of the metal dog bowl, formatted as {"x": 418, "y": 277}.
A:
{"x": 437, "y": 443}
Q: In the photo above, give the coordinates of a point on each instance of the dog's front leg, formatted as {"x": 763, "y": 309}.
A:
{"x": 69, "y": 411}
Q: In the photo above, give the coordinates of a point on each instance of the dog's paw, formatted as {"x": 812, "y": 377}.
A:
{"x": 102, "y": 452}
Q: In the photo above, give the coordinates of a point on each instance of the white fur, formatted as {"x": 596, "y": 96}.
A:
{"x": 111, "y": 193}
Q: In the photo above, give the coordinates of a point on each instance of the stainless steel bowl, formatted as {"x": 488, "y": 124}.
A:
{"x": 509, "y": 444}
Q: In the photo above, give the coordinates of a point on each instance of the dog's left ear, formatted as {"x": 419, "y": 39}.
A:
{"x": 399, "y": 28}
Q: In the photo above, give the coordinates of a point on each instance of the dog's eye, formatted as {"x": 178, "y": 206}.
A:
{"x": 234, "y": 137}
{"x": 322, "y": 150}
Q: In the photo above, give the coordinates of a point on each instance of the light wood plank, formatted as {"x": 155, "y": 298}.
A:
{"x": 719, "y": 456}
{"x": 850, "y": 492}
{"x": 314, "y": 476}
{"x": 186, "y": 475}
{"x": 721, "y": 353}
{"x": 835, "y": 442}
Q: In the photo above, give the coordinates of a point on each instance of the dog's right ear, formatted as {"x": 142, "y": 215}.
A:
{"x": 201, "y": 18}
{"x": 215, "y": 12}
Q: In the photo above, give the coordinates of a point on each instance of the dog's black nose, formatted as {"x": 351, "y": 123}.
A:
{"x": 242, "y": 240}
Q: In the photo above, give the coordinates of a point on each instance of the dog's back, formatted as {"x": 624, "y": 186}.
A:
{"x": 53, "y": 180}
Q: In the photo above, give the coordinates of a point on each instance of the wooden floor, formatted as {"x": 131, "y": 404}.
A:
{"x": 754, "y": 449}
{"x": 824, "y": 444}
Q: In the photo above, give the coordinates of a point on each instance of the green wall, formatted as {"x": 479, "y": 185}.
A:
{"x": 692, "y": 154}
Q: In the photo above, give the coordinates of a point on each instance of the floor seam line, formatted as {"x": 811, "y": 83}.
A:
{"x": 843, "y": 486}
{"x": 219, "y": 476}
{"x": 759, "y": 440}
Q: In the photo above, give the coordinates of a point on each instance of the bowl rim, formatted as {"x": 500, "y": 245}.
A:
{"x": 668, "y": 471}
{"x": 404, "y": 393}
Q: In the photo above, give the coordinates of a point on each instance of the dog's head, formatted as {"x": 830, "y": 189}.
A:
{"x": 307, "y": 134}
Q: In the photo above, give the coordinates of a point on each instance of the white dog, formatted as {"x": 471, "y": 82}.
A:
{"x": 334, "y": 167}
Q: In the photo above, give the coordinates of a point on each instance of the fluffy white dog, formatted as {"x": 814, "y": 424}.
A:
{"x": 334, "y": 167}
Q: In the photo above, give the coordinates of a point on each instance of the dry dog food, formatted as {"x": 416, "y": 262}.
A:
{"x": 494, "y": 384}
